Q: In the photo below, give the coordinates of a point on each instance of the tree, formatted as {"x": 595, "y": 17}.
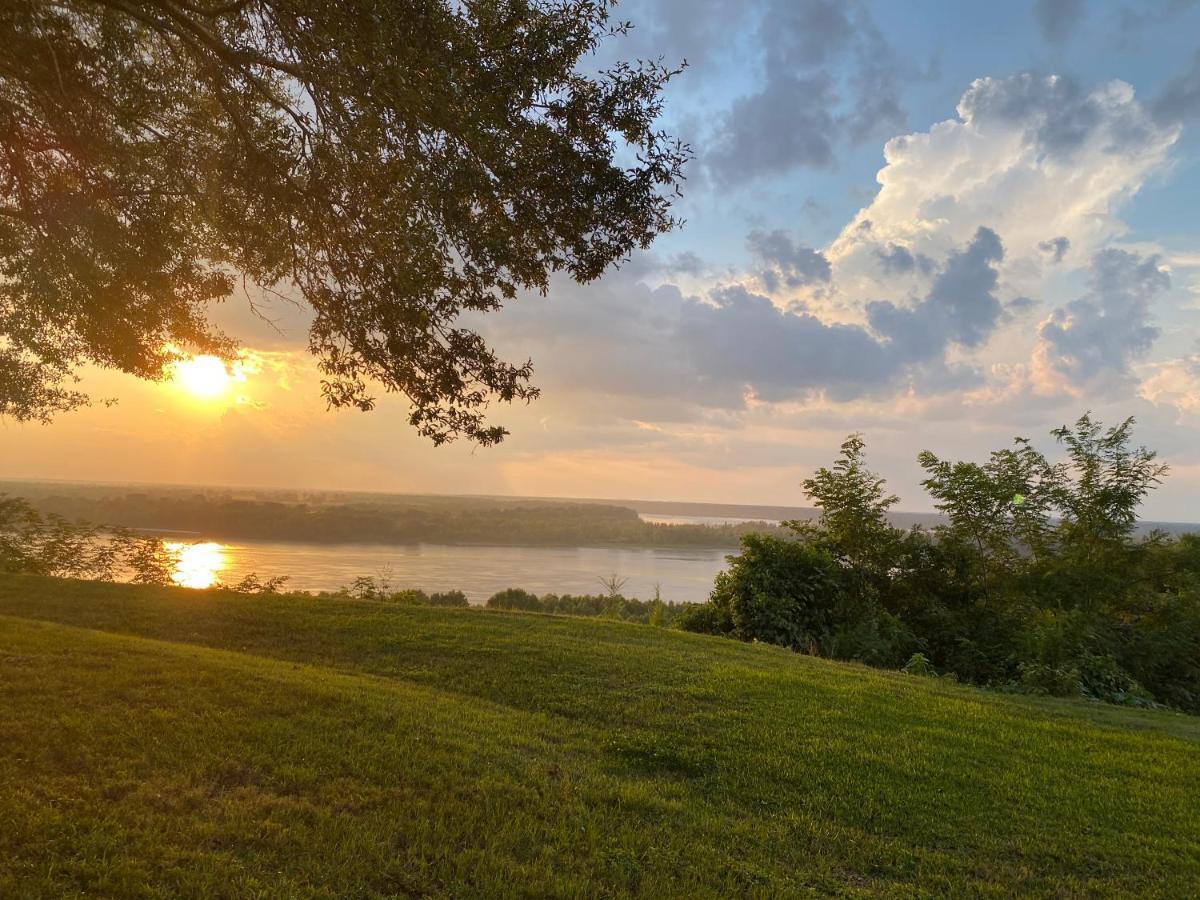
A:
{"x": 1107, "y": 482}
{"x": 854, "y": 504}
{"x": 395, "y": 165}
{"x": 1001, "y": 508}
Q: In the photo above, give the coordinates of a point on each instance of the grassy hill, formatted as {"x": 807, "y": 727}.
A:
{"x": 162, "y": 742}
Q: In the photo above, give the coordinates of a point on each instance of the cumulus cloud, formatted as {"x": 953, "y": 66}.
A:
{"x": 1027, "y": 156}
{"x": 1175, "y": 382}
{"x": 1058, "y": 19}
{"x": 828, "y": 74}
{"x": 674, "y": 357}
{"x": 961, "y": 307}
{"x": 1180, "y": 97}
{"x": 913, "y": 303}
{"x": 787, "y": 264}
{"x": 1092, "y": 341}
{"x": 1055, "y": 248}
{"x": 790, "y": 122}
{"x": 898, "y": 260}
{"x": 738, "y": 337}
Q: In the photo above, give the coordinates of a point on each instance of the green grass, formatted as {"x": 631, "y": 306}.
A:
{"x": 164, "y": 742}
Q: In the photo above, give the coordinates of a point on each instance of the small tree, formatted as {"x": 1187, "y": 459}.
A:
{"x": 613, "y": 585}
{"x": 149, "y": 560}
{"x": 854, "y": 503}
{"x": 1107, "y": 480}
{"x": 854, "y": 527}
{"x": 1001, "y": 509}
{"x": 252, "y": 584}
{"x": 657, "y": 617}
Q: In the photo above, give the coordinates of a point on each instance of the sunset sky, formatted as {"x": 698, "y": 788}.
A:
{"x": 941, "y": 224}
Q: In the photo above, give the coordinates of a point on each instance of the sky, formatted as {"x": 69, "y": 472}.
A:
{"x": 939, "y": 224}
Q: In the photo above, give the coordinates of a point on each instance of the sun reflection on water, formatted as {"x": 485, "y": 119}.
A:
{"x": 197, "y": 565}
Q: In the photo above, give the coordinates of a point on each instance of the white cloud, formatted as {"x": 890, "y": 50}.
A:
{"x": 1036, "y": 159}
{"x": 1091, "y": 342}
{"x": 1176, "y": 383}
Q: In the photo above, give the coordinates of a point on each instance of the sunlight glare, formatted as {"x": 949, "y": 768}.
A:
{"x": 197, "y": 565}
{"x": 203, "y": 376}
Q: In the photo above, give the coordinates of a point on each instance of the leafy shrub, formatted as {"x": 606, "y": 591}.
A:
{"x": 1102, "y": 678}
{"x": 705, "y": 618}
{"x": 514, "y": 598}
{"x": 33, "y": 544}
{"x": 1058, "y": 681}
{"x": 918, "y": 664}
{"x": 877, "y": 639}
{"x": 1162, "y": 650}
{"x": 252, "y": 584}
{"x": 408, "y": 597}
{"x": 1037, "y": 581}
{"x": 448, "y": 598}
{"x": 780, "y": 592}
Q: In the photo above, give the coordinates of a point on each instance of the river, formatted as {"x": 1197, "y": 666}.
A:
{"x": 682, "y": 575}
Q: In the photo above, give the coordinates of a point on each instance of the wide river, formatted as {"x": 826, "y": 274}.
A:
{"x": 681, "y": 575}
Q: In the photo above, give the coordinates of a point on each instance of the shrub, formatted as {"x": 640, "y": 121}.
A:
{"x": 408, "y": 597}
{"x": 877, "y": 639}
{"x": 448, "y": 598}
{"x": 781, "y": 592}
{"x": 1040, "y": 678}
{"x": 918, "y": 664}
{"x": 514, "y": 598}
{"x": 252, "y": 584}
{"x": 704, "y": 618}
{"x": 1102, "y": 678}
{"x": 1036, "y": 581}
{"x": 1162, "y": 650}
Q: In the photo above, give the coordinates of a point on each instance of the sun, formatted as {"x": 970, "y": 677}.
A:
{"x": 203, "y": 376}
{"x": 196, "y": 565}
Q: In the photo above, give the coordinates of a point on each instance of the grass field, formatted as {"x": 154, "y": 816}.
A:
{"x": 165, "y": 742}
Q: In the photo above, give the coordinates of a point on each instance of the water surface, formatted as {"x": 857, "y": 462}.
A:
{"x": 683, "y": 575}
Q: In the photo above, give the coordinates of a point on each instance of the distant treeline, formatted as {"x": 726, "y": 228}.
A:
{"x": 610, "y": 605}
{"x": 460, "y": 521}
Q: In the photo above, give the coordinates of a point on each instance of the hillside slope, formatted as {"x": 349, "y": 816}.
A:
{"x": 164, "y": 742}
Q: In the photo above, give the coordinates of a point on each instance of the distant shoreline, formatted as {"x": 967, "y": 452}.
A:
{"x": 431, "y": 504}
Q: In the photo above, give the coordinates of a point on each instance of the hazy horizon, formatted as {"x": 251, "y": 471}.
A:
{"x": 643, "y": 505}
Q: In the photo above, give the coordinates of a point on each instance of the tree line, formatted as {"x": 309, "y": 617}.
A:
{"x": 467, "y": 521}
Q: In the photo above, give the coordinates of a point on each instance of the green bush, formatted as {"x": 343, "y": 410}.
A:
{"x": 877, "y": 639}
{"x": 918, "y": 664}
{"x": 514, "y": 598}
{"x": 448, "y": 598}
{"x": 780, "y": 592}
{"x": 408, "y": 597}
{"x": 704, "y": 618}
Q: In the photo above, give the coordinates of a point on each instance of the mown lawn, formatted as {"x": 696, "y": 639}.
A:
{"x": 165, "y": 742}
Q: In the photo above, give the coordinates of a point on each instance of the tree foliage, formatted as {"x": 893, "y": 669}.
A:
{"x": 394, "y": 166}
{"x": 1036, "y": 581}
{"x": 854, "y": 503}
{"x": 1105, "y": 481}
{"x": 33, "y": 544}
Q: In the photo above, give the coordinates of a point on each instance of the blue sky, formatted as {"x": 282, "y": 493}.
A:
{"x": 942, "y": 224}
{"x": 945, "y": 46}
